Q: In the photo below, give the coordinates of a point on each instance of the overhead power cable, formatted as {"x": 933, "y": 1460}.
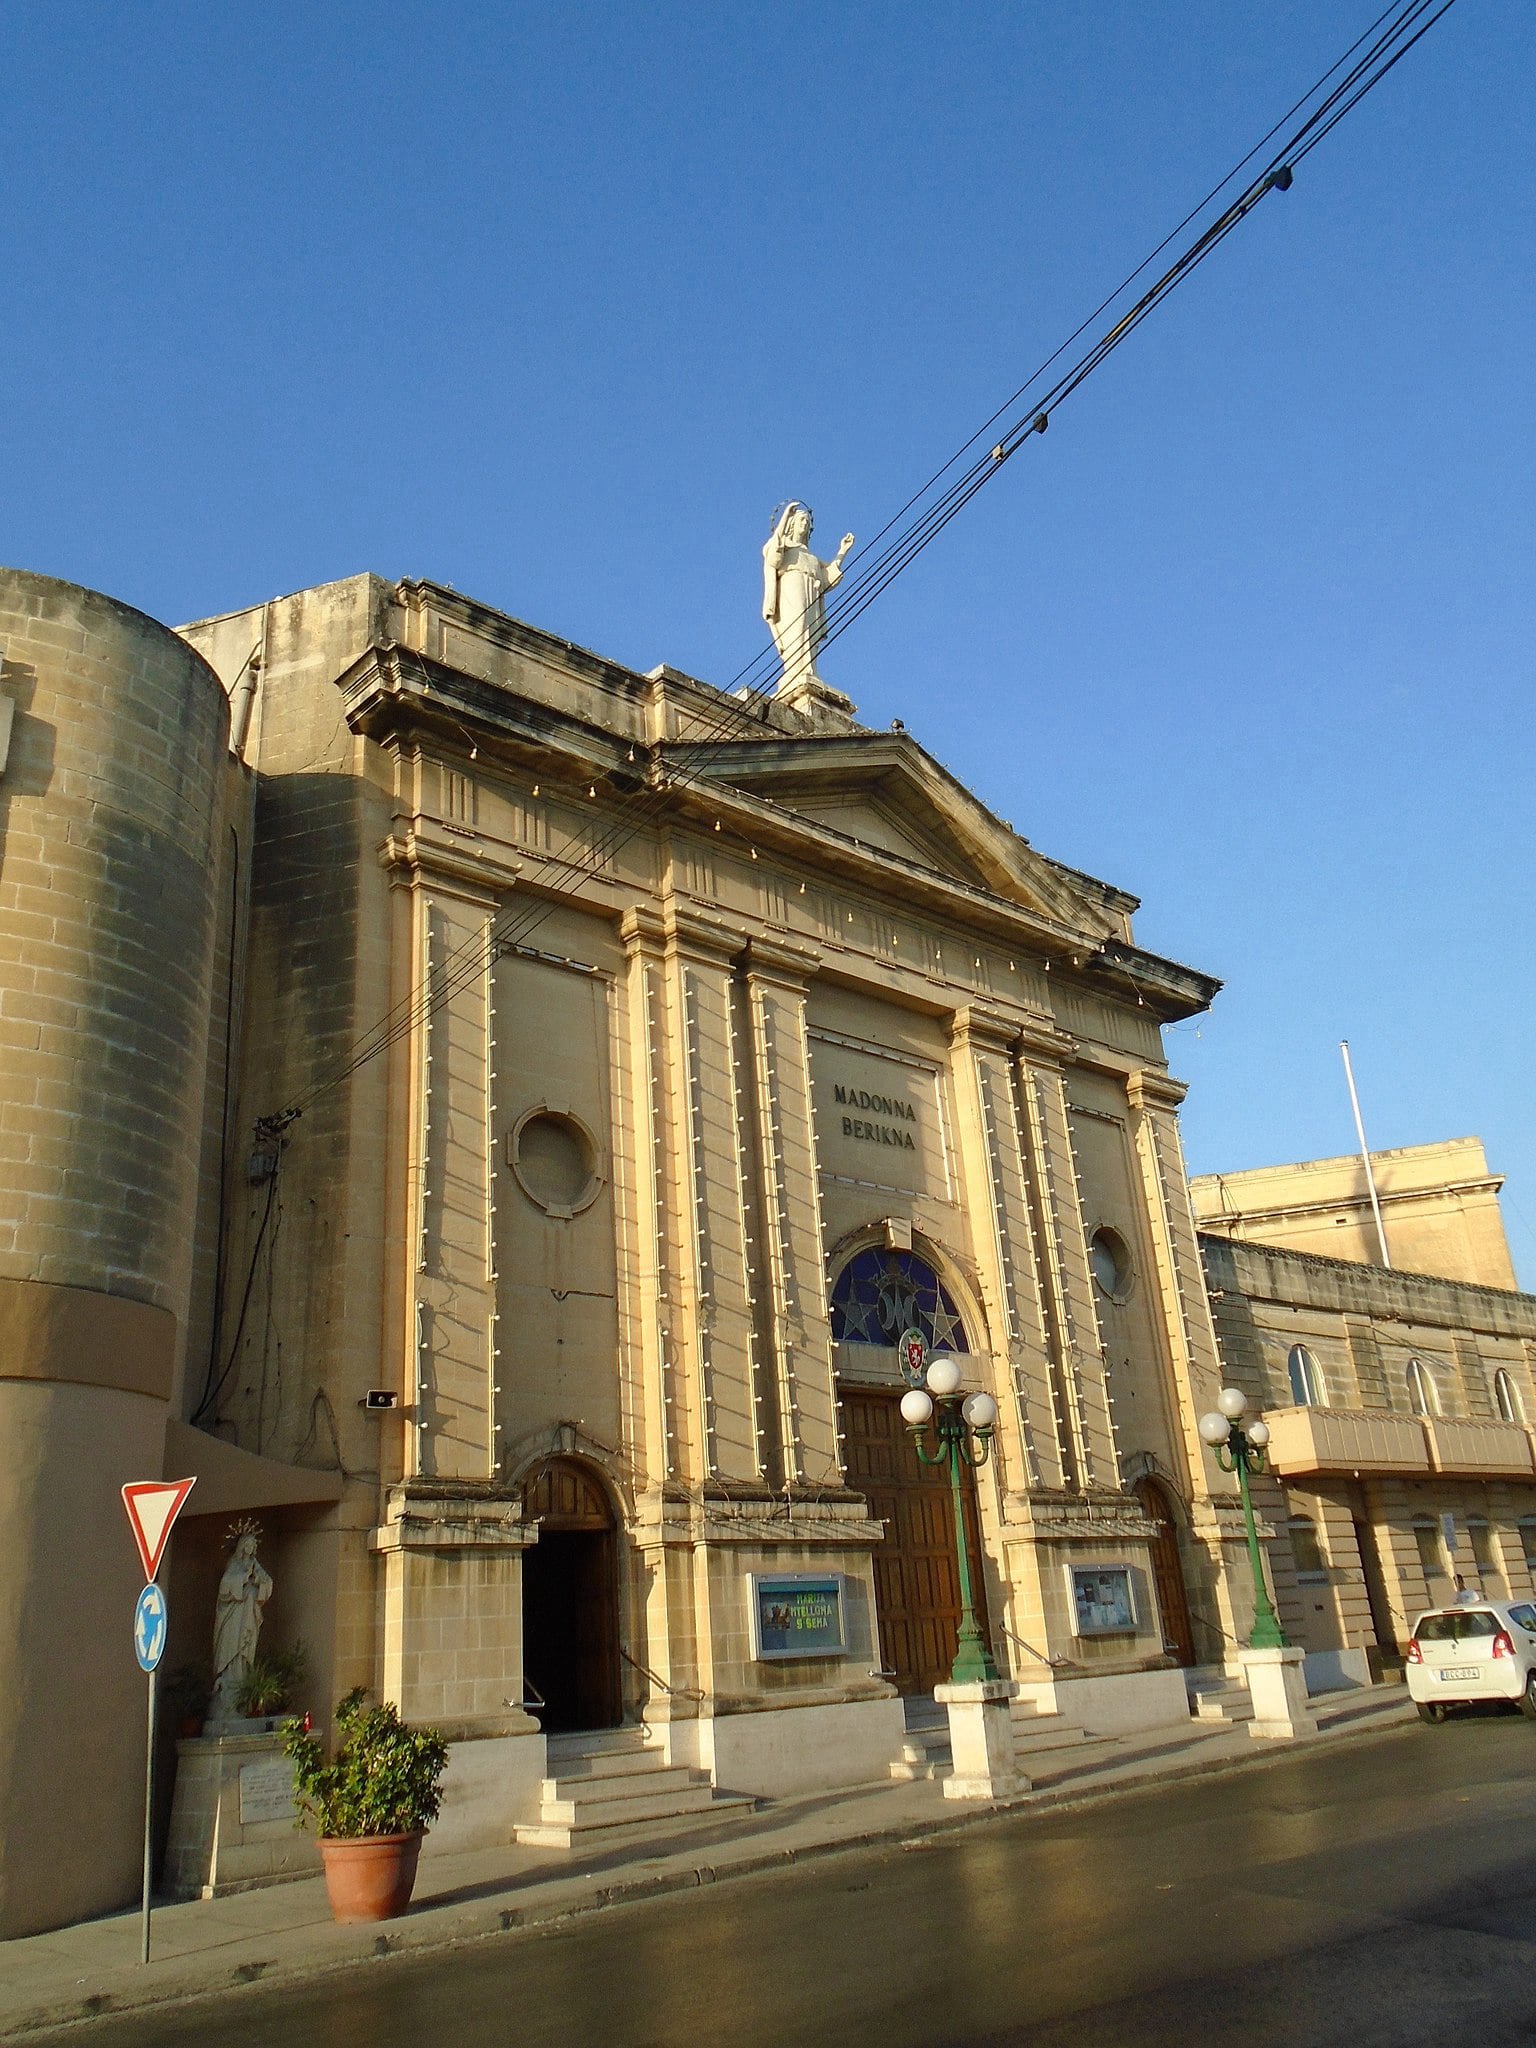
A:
{"x": 1336, "y": 93}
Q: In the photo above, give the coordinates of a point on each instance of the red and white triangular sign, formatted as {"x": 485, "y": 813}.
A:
{"x": 153, "y": 1505}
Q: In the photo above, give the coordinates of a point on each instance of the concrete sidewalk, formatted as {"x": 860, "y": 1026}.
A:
{"x": 283, "y": 1932}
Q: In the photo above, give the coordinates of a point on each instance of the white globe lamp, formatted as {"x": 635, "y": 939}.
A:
{"x": 1232, "y": 1402}
{"x": 1214, "y": 1428}
{"x": 916, "y": 1407}
{"x": 980, "y": 1411}
{"x": 943, "y": 1375}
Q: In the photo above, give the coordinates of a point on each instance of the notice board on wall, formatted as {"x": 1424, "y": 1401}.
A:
{"x": 795, "y": 1615}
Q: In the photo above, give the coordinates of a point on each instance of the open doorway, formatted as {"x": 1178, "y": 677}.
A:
{"x": 571, "y": 1601}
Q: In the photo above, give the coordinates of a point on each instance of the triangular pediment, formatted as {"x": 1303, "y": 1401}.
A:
{"x": 884, "y": 793}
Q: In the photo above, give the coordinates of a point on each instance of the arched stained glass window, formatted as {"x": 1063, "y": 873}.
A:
{"x": 880, "y": 1293}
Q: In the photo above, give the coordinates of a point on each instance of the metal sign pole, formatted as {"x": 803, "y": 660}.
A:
{"x": 149, "y": 1787}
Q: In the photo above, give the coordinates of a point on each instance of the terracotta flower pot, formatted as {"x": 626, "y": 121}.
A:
{"x": 370, "y": 1877}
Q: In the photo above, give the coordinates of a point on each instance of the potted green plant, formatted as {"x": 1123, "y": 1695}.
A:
{"x": 185, "y": 1693}
{"x": 370, "y": 1805}
{"x": 271, "y": 1682}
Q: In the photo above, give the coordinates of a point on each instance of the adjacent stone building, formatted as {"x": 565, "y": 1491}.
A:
{"x": 1399, "y": 1402}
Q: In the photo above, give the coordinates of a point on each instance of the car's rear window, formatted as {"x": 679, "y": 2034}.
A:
{"x": 1448, "y": 1628}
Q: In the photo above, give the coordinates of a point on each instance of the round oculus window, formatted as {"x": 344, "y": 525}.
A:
{"x": 555, "y": 1160}
{"x": 1110, "y": 1259}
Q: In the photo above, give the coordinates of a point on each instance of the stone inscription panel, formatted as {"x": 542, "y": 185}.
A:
{"x": 266, "y": 1791}
{"x": 879, "y": 1117}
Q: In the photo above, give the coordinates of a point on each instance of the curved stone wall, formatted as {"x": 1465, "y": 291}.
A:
{"x": 110, "y": 820}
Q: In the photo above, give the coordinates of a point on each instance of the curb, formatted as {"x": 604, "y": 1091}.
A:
{"x": 474, "y": 1924}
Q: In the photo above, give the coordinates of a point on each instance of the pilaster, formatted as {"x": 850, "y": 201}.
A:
{"x": 992, "y": 1163}
{"x": 712, "y": 1199}
{"x": 1186, "y": 1310}
{"x": 810, "y": 1451}
{"x": 451, "y": 1339}
{"x": 1085, "y": 1430}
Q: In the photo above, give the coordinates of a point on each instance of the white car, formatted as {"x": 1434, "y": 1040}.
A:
{"x": 1476, "y": 1650}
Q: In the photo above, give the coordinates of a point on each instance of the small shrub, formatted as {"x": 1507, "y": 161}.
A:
{"x": 383, "y": 1780}
{"x": 268, "y": 1687}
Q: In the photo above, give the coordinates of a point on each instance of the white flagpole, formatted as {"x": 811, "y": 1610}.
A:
{"x": 1365, "y": 1155}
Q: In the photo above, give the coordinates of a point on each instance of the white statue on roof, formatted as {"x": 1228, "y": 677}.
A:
{"x": 795, "y": 585}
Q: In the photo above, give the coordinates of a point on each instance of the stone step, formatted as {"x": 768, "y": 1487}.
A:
{"x": 580, "y": 1815}
{"x": 1032, "y": 1739}
{"x": 1228, "y": 1702}
{"x": 599, "y": 1742}
{"x": 924, "y": 1755}
{"x": 606, "y": 1765}
{"x": 624, "y": 1832}
{"x": 655, "y": 1783}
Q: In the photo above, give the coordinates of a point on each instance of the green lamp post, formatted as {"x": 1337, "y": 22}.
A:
{"x": 1241, "y": 1451}
{"x": 964, "y": 1428}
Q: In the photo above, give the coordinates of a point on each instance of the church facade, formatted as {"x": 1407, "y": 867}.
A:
{"x": 604, "y": 1090}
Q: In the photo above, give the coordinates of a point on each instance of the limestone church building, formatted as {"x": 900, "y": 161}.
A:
{"x": 493, "y": 1117}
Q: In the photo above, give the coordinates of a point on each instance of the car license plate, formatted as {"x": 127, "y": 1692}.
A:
{"x": 1460, "y": 1674}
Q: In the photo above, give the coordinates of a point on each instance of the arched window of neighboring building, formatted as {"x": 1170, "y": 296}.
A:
{"x": 1485, "y": 1556}
{"x": 1306, "y": 1378}
{"x": 881, "y": 1293}
{"x": 1423, "y": 1397}
{"x": 1307, "y": 1547}
{"x": 1507, "y": 1397}
{"x": 1431, "y": 1558}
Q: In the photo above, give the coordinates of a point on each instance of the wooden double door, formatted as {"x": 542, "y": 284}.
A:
{"x": 917, "y": 1580}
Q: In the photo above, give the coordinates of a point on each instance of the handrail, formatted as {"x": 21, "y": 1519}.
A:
{"x": 1040, "y": 1657}
{"x": 1197, "y": 1615}
{"x": 678, "y": 1692}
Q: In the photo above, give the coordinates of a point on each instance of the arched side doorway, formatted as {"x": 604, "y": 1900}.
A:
{"x": 1168, "y": 1570}
{"x": 571, "y": 1600}
{"x": 876, "y": 1296}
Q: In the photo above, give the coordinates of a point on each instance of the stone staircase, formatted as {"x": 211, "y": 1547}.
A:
{"x": 611, "y": 1788}
{"x": 1215, "y": 1697}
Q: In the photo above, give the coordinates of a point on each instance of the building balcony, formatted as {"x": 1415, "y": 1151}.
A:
{"x": 1500, "y": 1449}
{"x": 1359, "y": 1440}
{"x": 1344, "y": 1440}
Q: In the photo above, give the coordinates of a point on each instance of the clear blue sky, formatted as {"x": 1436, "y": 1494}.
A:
{"x": 555, "y": 302}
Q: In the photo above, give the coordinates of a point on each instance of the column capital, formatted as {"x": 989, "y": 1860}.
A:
{"x": 986, "y": 1029}
{"x": 1151, "y": 1089}
{"x": 414, "y": 855}
{"x": 693, "y": 935}
{"x": 1045, "y": 1045}
{"x": 781, "y": 960}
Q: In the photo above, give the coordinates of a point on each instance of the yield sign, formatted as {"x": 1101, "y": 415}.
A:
{"x": 153, "y": 1505}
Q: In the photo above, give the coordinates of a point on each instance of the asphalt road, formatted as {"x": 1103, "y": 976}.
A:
{"x": 1381, "y": 1891}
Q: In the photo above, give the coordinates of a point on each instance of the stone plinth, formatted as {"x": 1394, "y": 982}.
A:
{"x": 1278, "y": 1688}
{"x": 233, "y": 1817}
{"x": 981, "y": 1741}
